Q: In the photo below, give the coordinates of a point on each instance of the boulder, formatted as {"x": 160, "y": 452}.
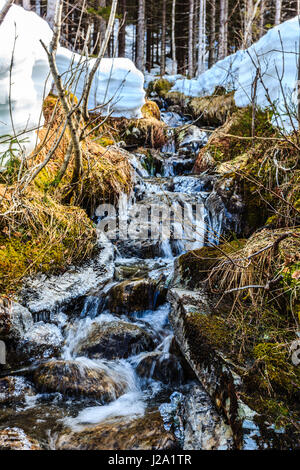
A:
{"x": 41, "y": 341}
{"x": 74, "y": 378}
{"x": 146, "y": 433}
{"x": 112, "y": 340}
{"x": 161, "y": 366}
{"x": 135, "y": 295}
{"x": 204, "y": 428}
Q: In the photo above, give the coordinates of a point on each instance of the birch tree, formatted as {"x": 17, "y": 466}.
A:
{"x": 51, "y": 4}
{"x": 202, "y": 37}
{"x": 163, "y": 39}
{"x": 174, "y": 63}
{"x": 223, "y": 27}
{"x": 277, "y": 12}
{"x": 191, "y": 38}
{"x": 26, "y": 4}
{"x": 262, "y": 18}
{"x": 140, "y": 35}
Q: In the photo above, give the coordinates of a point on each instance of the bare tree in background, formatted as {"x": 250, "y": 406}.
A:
{"x": 212, "y": 35}
{"x": 26, "y": 4}
{"x": 262, "y": 18}
{"x": 51, "y": 4}
{"x": 202, "y": 37}
{"x": 140, "y": 36}
{"x": 163, "y": 38}
{"x": 191, "y": 39}
{"x": 173, "y": 41}
{"x": 122, "y": 30}
{"x": 277, "y": 12}
{"x": 223, "y": 33}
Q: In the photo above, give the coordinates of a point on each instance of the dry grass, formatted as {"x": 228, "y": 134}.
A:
{"x": 106, "y": 171}
{"x": 38, "y": 234}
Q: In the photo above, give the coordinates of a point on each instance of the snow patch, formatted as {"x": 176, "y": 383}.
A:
{"x": 23, "y": 85}
{"x": 117, "y": 88}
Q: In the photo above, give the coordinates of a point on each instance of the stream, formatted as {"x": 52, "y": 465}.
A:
{"x": 115, "y": 370}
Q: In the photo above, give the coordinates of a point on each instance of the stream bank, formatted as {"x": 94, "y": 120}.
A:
{"x": 94, "y": 351}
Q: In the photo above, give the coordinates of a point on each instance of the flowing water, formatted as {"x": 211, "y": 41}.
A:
{"x": 142, "y": 372}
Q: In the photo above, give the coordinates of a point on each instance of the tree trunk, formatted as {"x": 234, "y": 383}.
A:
{"x": 174, "y": 64}
{"x": 191, "y": 42}
{"x": 51, "y": 4}
{"x": 122, "y": 29}
{"x": 202, "y": 37}
{"x": 277, "y": 12}
{"x": 140, "y": 35}
{"x": 262, "y": 18}
{"x": 248, "y": 24}
{"x": 222, "y": 30}
{"x": 212, "y": 39}
{"x": 27, "y": 4}
{"x": 163, "y": 39}
{"x": 102, "y": 24}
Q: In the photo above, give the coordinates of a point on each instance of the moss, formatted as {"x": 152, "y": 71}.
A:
{"x": 175, "y": 98}
{"x": 195, "y": 265}
{"x": 212, "y": 110}
{"x": 161, "y": 87}
{"x": 277, "y": 370}
{"x": 46, "y": 237}
{"x": 151, "y": 110}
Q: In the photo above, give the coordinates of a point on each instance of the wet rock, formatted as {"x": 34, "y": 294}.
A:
{"x": 114, "y": 340}
{"x": 15, "y": 320}
{"x": 41, "y": 341}
{"x": 16, "y": 439}
{"x": 146, "y": 433}
{"x": 13, "y": 390}
{"x": 190, "y": 139}
{"x": 161, "y": 366}
{"x": 204, "y": 428}
{"x": 143, "y": 249}
{"x": 220, "y": 378}
{"x": 135, "y": 296}
{"x": 74, "y": 378}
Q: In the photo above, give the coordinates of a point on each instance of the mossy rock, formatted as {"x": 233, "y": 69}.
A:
{"x": 114, "y": 340}
{"x": 135, "y": 295}
{"x": 161, "y": 87}
{"x": 193, "y": 267}
{"x": 212, "y": 110}
{"x": 175, "y": 98}
{"x": 151, "y": 110}
{"x": 43, "y": 236}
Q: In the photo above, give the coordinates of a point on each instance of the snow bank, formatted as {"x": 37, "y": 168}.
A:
{"x": 23, "y": 87}
{"x": 224, "y": 73}
{"x": 276, "y": 55}
{"x": 117, "y": 86}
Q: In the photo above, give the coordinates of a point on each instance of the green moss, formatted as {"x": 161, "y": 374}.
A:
{"x": 161, "y": 87}
{"x": 48, "y": 238}
{"x": 196, "y": 265}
